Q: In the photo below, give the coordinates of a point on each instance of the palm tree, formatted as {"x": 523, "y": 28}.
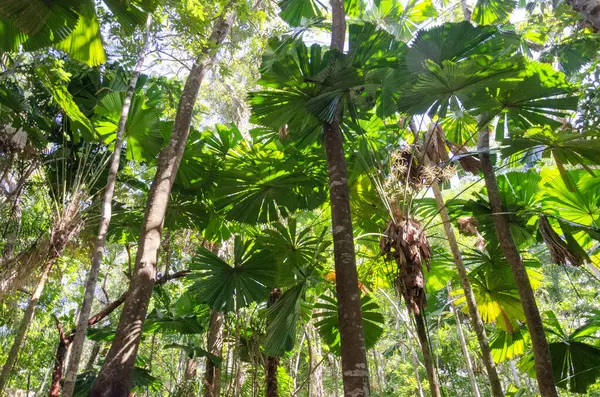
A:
{"x": 449, "y": 81}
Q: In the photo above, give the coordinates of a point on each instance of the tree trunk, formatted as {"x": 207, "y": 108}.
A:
{"x": 272, "y": 365}
{"x": 474, "y": 315}
{"x": 427, "y": 355}
{"x": 541, "y": 354}
{"x": 115, "y": 377}
{"x": 212, "y": 376}
{"x": 94, "y": 354}
{"x": 415, "y": 363}
{"x": 355, "y": 372}
{"x": 65, "y": 341}
{"x": 272, "y": 362}
{"x": 466, "y": 10}
{"x": 59, "y": 360}
{"x": 316, "y": 369}
{"x": 187, "y": 386}
{"x": 590, "y": 9}
{"x": 92, "y": 278}
{"x": 463, "y": 347}
{"x": 25, "y": 322}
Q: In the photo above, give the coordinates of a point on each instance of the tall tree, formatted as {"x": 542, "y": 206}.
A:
{"x": 115, "y": 377}
{"x": 212, "y": 375}
{"x": 355, "y": 370}
{"x": 541, "y": 353}
{"x": 98, "y": 253}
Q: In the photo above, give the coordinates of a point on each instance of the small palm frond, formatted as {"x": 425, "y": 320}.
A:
{"x": 328, "y": 323}
{"x": 223, "y": 286}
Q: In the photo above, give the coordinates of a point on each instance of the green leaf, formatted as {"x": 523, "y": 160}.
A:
{"x": 142, "y": 130}
{"x": 293, "y": 11}
{"x": 193, "y": 351}
{"x": 249, "y": 278}
{"x": 84, "y": 44}
{"x": 282, "y": 321}
{"x": 327, "y": 323}
{"x": 58, "y": 90}
{"x": 488, "y": 12}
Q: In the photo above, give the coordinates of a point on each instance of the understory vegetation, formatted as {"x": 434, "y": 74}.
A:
{"x": 299, "y": 198}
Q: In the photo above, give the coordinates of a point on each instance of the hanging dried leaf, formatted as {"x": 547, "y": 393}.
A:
{"x": 468, "y": 225}
{"x": 469, "y": 163}
{"x": 559, "y": 250}
{"x": 435, "y": 146}
{"x": 406, "y": 243}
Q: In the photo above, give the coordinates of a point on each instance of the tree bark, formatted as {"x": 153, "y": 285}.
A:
{"x": 25, "y": 322}
{"x": 355, "y": 372}
{"x": 115, "y": 377}
{"x": 66, "y": 340}
{"x": 463, "y": 347}
{"x": 434, "y": 384}
{"x": 212, "y": 376}
{"x": 315, "y": 370}
{"x": 474, "y": 315}
{"x": 273, "y": 362}
{"x": 541, "y": 354}
{"x": 590, "y": 9}
{"x": 92, "y": 278}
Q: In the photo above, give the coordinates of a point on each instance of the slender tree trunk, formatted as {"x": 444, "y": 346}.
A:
{"x": 355, "y": 372}
{"x": 92, "y": 278}
{"x": 272, "y": 362}
{"x": 463, "y": 347}
{"x": 65, "y": 341}
{"x": 427, "y": 355}
{"x": 14, "y": 228}
{"x": 316, "y": 370}
{"x": 334, "y": 371}
{"x": 474, "y": 315}
{"x": 415, "y": 363}
{"x": 187, "y": 386}
{"x": 467, "y": 13}
{"x": 94, "y": 354}
{"x": 590, "y": 9}
{"x": 114, "y": 379}
{"x": 25, "y": 322}
{"x": 59, "y": 360}
{"x": 212, "y": 376}
{"x": 272, "y": 365}
{"x": 541, "y": 354}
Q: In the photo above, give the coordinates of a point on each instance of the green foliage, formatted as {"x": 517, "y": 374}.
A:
{"x": 227, "y": 286}
{"x": 328, "y": 323}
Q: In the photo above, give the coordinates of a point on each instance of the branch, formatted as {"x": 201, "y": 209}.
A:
{"x": 169, "y": 277}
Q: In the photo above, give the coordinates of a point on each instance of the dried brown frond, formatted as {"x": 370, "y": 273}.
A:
{"x": 406, "y": 243}
{"x": 559, "y": 250}
{"x": 283, "y": 132}
{"x": 468, "y": 225}
{"x": 468, "y": 163}
{"x": 435, "y": 145}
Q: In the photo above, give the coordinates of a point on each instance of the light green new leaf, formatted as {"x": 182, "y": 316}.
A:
{"x": 84, "y": 44}
{"x": 142, "y": 130}
{"x": 64, "y": 99}
{"x": 488, "y": 12}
